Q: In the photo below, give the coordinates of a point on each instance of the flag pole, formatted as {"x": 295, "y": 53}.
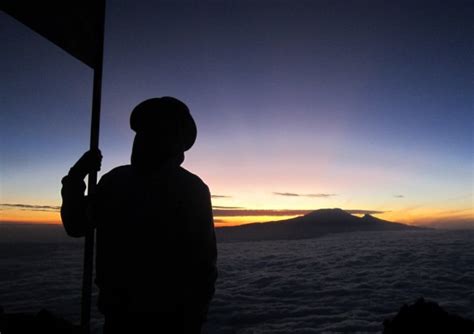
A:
{"x": 74, "y": 34}
{"x": 88, "y": 266}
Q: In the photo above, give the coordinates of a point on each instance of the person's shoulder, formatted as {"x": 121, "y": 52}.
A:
{"x": 191, "y": 179}
{"x": 117, "y": 173}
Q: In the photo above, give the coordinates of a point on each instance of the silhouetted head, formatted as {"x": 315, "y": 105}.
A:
{"x": 164, "y": 130}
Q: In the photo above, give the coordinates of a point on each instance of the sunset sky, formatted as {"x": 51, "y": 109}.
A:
{"x": 300, "y": 105}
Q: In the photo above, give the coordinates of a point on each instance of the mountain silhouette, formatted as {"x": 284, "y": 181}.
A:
{"x": 311, "y": 225}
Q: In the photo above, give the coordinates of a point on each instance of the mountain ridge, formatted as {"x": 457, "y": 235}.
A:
{"x": 314, "y": 224}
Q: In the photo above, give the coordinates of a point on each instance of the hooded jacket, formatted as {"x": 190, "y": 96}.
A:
{"x": 156, "y": 246}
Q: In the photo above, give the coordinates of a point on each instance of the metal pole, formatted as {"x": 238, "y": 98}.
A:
{"x": 88, "y": 268}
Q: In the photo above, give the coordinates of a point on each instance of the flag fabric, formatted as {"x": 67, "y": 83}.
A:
{"x": 74, "y": 25}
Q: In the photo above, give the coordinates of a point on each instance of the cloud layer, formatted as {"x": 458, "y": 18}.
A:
{"x": 218, "y": 211}
{"x": 321, "y": 195}
{"x": 30, "y": 207}
{"x": 242, "y": 212}
{"x": 364, "y": 212}
{"x": 304, "y": 286}
{"x": 323, "y": 285}
{"x": 251, "y": 212}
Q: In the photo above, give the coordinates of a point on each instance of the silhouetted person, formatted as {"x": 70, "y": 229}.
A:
{"x": 156, "y": 248}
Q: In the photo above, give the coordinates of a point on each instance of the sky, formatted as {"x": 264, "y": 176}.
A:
{"x": 300, "y": 105}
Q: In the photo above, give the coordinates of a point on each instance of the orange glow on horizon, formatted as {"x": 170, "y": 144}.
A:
{"x": 244, "y": 220}
{"x": 30, "y": 216}
{"x": 419, "y": 216}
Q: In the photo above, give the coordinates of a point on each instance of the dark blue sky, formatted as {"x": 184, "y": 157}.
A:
{"x": 363, "y": 99}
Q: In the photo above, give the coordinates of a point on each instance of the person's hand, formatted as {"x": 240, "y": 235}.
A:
{"x": 89, "y": 162}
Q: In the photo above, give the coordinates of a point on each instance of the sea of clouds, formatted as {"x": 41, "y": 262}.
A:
{"x": 344, "y": 283}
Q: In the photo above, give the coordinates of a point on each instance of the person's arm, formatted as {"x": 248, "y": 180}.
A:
{"x": 203, "y": 241}
{"x": 210, "y": 247}
{"x": 75, "y": 203}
